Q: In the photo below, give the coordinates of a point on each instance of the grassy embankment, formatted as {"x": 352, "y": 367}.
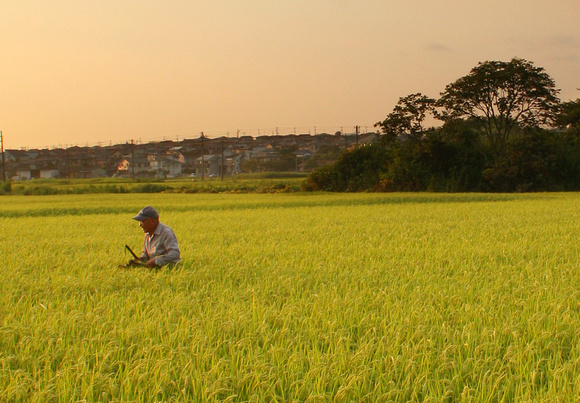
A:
{"x": 244, "y": 183}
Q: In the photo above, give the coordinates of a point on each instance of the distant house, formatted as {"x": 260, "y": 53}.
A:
{"x": 308, "y": 147}
{"x": 141, "y": 165}
{"x": 32, "y": 154}
{"x": 233, "y": 164}
{"x": 368, "y": 138}
{"x": 176, "y": 153}
{"x": 9, "y": 157}
{"x": 257, "y": 152}
{"x": 263, "y": 155}
{"x": 128, "y": 166}
{"x": 170, "y": 158}
{"x": 211, "y": 165}
{"x": 49, "y": 173}
{"x": 26, "y": 171}
{"x": 123, "y": 164}
{"x": 116, "y": 154}
{"x": 165, "y": 166}
{"x": 23, "y": 175}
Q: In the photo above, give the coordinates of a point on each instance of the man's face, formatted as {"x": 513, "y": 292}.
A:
{"x": 148, "y": 225}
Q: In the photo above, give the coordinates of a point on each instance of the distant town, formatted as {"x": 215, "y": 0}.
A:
{"x": 200, "y": 157}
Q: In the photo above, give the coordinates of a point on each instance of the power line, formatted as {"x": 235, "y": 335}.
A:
{"x": 254, "y": 132}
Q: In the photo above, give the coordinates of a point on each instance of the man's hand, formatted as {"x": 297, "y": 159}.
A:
{"x": 150, "y": 263}
{"x": 132, "y": 263}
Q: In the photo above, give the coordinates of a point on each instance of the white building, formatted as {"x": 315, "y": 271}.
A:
{"x": 49, "y": 173}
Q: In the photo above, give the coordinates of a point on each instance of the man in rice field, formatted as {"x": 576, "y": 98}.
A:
{"x": 160, "y": 244}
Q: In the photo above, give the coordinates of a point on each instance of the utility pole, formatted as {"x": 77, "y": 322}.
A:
{"x": 202, "y": 157}
{"x": 3, "y": 165}
{"x": 356, "y": 131}
{"x": 132, "y": 160}
{"x": 222, "y": 158}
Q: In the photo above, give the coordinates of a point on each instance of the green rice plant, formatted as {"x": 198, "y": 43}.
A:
{"x": 293, "y": 297}
{"x": 247, "y": 183}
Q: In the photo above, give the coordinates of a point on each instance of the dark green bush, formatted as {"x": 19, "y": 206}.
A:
{"x": 150, "y": 188}
{"x": 450, "y": 159}
{"x": 5, "y": 187}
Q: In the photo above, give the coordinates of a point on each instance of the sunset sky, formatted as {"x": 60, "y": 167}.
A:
{"x": 89, "y": 72}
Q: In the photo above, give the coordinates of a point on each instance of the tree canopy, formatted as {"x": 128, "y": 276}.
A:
{"x": 569, "y": 115}
{"x": 495, "y": 137}
{"x": 408, "y": 116}
{"x": 500, "y": 96}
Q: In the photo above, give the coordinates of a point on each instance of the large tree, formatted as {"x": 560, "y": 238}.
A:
{"x": 501, "y": 96}
{"x": 408, "y": 117}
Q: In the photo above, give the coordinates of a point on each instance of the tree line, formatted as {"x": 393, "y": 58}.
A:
{"x": 503, "y": 129}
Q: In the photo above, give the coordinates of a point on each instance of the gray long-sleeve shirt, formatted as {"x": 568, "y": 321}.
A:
{"x": 162, "y": 246}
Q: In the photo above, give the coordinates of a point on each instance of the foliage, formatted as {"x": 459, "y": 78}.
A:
{"x": 406, "y": 170}
{"x": 492, "y": 139}
{"x": 324, "y": 178}
{"x": 151, "y": 188}
{"x": 449, "y": 160}
{"x": 529, "y": 164}
{"x": 302, "y": 297}
{"x": 502, "y": 96}
{"x": 5, "y": 187}
{"x": 355, "y": 170}
{"x": 408, "y": 117}
{"x": 569, "y": 114}
{"x": 569, "y": 158}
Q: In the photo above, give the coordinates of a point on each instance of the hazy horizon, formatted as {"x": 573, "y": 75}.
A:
{"x": 81, "y": 72}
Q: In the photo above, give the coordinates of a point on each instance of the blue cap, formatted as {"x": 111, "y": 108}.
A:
{"x": 146, "y": 212}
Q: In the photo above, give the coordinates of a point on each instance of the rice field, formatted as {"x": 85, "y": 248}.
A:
{"x": 293, "y": 297}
